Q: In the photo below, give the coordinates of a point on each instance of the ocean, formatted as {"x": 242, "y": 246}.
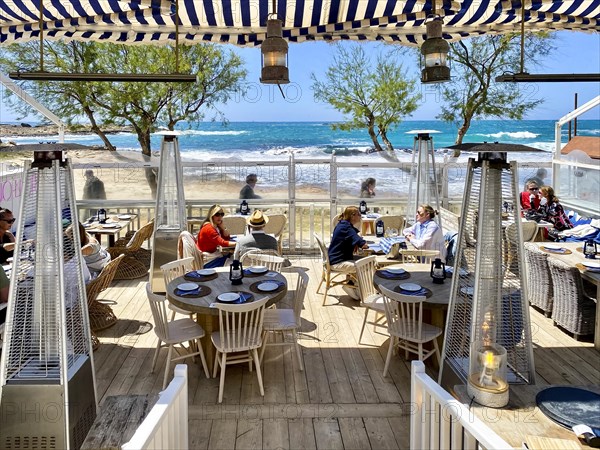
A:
{"x": 252, "y": 141}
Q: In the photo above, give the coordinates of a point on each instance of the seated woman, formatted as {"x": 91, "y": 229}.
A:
{"x": 213, "y": 235}
{"x": 425, "y": 234}
{"x": 344, "y": 242}
{"x": 553, "y": 210}
{"x": 530, "y": 198}
{"x": 95, "y": 256}
{"x": 7, "y": 239}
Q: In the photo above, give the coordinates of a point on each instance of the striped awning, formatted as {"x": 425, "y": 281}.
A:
{"x": 243, "y": 22}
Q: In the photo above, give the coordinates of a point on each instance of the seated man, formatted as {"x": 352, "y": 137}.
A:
{"x": 256, "y": 237}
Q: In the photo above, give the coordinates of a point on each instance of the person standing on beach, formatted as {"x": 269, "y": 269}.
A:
{"x": 94, "y": 187}
{"x": 247, "y": 192}
{"x": 7, "y": 239}
{"x": 367, "y": 188}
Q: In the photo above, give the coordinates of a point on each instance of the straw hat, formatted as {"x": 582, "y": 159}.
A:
{"x": 257, "y": 219}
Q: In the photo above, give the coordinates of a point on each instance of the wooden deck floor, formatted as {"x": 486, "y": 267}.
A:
{"x": 340, "y": 400}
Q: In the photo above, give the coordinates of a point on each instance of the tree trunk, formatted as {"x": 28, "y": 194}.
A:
{"x": 385, "y": 140}
{"x": 151, "y": 174}
{"x": 96, "y": 129}
{"x": 462, "y": 131}
{"x": 373, "y": 135}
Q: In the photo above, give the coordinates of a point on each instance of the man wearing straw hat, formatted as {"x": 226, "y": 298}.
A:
{"x": 256, "y": 237}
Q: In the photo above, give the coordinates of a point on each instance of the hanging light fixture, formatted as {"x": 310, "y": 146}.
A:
{"x": 274, "y": 51}
{"x": 435, "y": 53}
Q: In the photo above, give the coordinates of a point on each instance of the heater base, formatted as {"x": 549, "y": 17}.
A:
{"x": 494, "y": 398}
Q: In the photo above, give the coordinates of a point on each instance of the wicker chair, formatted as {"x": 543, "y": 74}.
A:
{"x": 539, "y": 284}
{"x": 275, "y": 226}
{"x": 102, "y": 315}
{"x": 574, "y": 309}
{"x": 235, "y": 224}
{"x": 397, "y": 222}
{"x": 186, "y": 247}
{"x": 529, "y": 230}
{"x": 137, "y": 259}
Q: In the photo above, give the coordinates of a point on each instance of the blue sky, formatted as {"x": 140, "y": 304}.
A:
{"x": 577, "y": 52}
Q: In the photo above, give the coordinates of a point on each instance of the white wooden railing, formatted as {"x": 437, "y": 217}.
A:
{"x": 166, "y": 426}
{"x": 439, "y": 421}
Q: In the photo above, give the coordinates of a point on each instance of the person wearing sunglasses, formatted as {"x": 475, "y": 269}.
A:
{"x": 7, "y": 239}
{"x": 425, "y": 234}
{"x": 530, "y": 197}
{"x": 213, "y": 235}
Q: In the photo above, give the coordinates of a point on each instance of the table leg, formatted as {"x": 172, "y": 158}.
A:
{"x": 597, "y": 327}
{"x": 210, "y": 323}
{"x": 367, "y": 228}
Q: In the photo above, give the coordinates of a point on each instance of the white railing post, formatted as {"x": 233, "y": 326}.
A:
{"x": 292, "y": 202}
{"x": 333, "y": 194}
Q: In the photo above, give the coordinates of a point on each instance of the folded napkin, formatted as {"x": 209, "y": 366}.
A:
{"x": 193, "y": 293}
{"x": 391, "y": 275}
{"x": 244, "y": 298}
{"x": 254, "y": 274}
{"x": 195, "y": 275}
{"x": 555, "y": 250}
{"x": 279, "y": 283}
{"x": 421, "y": 291}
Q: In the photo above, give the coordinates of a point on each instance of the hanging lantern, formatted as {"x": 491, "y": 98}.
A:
{"x": 274, "y": 52}
{"x": 435, "y": 53}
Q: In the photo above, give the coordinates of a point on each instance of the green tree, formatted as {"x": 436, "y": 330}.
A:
{"x": 372, "y": 96}
{"x": 474, "y": 94}
{"x": 144, "y": 106}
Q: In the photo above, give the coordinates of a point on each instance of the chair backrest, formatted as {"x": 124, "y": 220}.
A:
{"x": 240, "y": 326}
{"x": 186, "y": 248}
{"x": 568, "y": 281}
{"x": 258, "y": 257}
{"x": 276, "y": 224}
{"x": 334, "y": 221}
{"x": 140, "y": 236}
{"x": 539, "y": 282}
{"x": 365, "y": 270}
{"x": 424, "y": 256}
{"x": 177, "y": 268}
{"x": 404, "y": 313}
{"x": 235, "y": 224}
{"x": 158, "y": 306}
{"x": 396, "y": 222}
{"x": 530, "y": 230}
{"x": 104, "y": 278}
{"x": 300, "y": 293}
{"x": 323, "y": 250}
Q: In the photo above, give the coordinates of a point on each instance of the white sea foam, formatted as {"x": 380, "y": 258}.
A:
{"x": 212, "y": 133}
{"x": 513, "y": 135}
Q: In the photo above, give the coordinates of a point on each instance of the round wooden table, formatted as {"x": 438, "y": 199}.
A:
{"x": 208, "y": 317}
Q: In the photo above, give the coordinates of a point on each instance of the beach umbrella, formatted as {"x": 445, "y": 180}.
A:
{"x": 493, "y": 147}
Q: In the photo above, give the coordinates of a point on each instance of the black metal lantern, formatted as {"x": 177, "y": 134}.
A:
{"x": 590, "y": 248}
{"x": 274, "y": 51}
{"x": 362, "y": 208}
{"x": 438, "y": 271}
{"x": 244, "y": 208}
{"x": 379, "y": 228}
{"x": 435, "y": 53}
{"x": 236, "y": 272}
{"x": 102, "y": 215}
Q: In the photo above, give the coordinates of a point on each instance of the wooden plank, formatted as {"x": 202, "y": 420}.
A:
{"x": 302, "y": 434}
{"x": 276, "y": 434}
{"x": 546, "y": 443}
{"x": 249, "y": 434}
{"x": 223, "y": 434}
{"x": 354, "y": 434}
{"x": 400, "y": 426}
{"x": 380, "y": 433}
{"x": 327, "y": 434}
{"x": 199, "y": 433}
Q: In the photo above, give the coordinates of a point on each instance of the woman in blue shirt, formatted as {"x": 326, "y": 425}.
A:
{"x": 425, "y": 234}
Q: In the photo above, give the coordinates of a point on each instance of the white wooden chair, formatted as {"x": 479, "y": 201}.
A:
{"x": 268, "y": 258}
{"x": 186, "y": 247}
{"x": 370, "y": 299}
{"x": 276, "y": 226}
{"x": 172, "y": 270}
{"x": 235, "y": 224}
{"x": 326, "y": 276}
{"x": 286, "y": 320}
{"x": 417, "y": 255}
{"x": 396, "y": 222}
{"x": 175, "y": 332}
{"x": 404, "y": 315}
{"x": 240, "y": 331}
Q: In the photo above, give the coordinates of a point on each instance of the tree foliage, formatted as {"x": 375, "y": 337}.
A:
{"x": 375, "y": 96}
{"x": 474, "y": 93}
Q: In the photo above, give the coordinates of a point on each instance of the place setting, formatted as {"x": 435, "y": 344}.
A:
{"x": 413, "y": 289}
{"x": 264, "y": 287}
{"x": 201, "y": 275}
{"x": 461, "y": 272}
{"x": 553, "y": 248}
{"x": 255, "y": 271}
{"x": 393, "y": 273}
{"x": 235, "y": 298}
{"x": 589, "y": 266}
{"x": 191, "y": 290}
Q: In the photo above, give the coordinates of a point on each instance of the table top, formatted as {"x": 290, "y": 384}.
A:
{"x": 521, "y": 417}
{"x": 419, "y": 273}
{"x": 574, "y": 258}
{"x": 218, "y": 286}
{"x": 114, "y": 224}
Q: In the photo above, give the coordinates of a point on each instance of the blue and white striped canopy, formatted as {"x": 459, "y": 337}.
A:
{"x": 243, "y": 22}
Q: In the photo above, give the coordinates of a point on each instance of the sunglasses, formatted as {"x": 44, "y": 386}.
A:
{"x": 220, "y": 214}
{"x": 8, "y": 220}
{"x": 534, "y": 189}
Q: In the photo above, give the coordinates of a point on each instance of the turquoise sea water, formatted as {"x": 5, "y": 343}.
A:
{"x": 274, "y": 140}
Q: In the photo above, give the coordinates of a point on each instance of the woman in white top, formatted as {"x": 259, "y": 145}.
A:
{"x": 94, "y": 255}
{"x": 425, "y": 234}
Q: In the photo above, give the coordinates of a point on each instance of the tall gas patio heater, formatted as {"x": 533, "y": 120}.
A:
{"x": 487, "y": 342}
{"x": 47, "y": 385}
{"x": 423, "y": 186}
{"x": 170, "y": 213}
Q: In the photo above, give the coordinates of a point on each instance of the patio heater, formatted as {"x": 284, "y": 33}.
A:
{"x": 423, "y": 185}
{"x": 47, "y": 385}
{"x": 170, "y": 217}
{"x": 487, "y": 342}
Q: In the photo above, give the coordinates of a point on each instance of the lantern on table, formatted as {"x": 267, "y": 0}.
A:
{"x": 590, "y": 248}
{"x": 488, "y": 342}
{"x": 362, "y": 207}
{"x": 438, "y": 271}
{"x": 244, "y": 208}
{"x": 236, "y": 272}
{"x": 102, "y": 215}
